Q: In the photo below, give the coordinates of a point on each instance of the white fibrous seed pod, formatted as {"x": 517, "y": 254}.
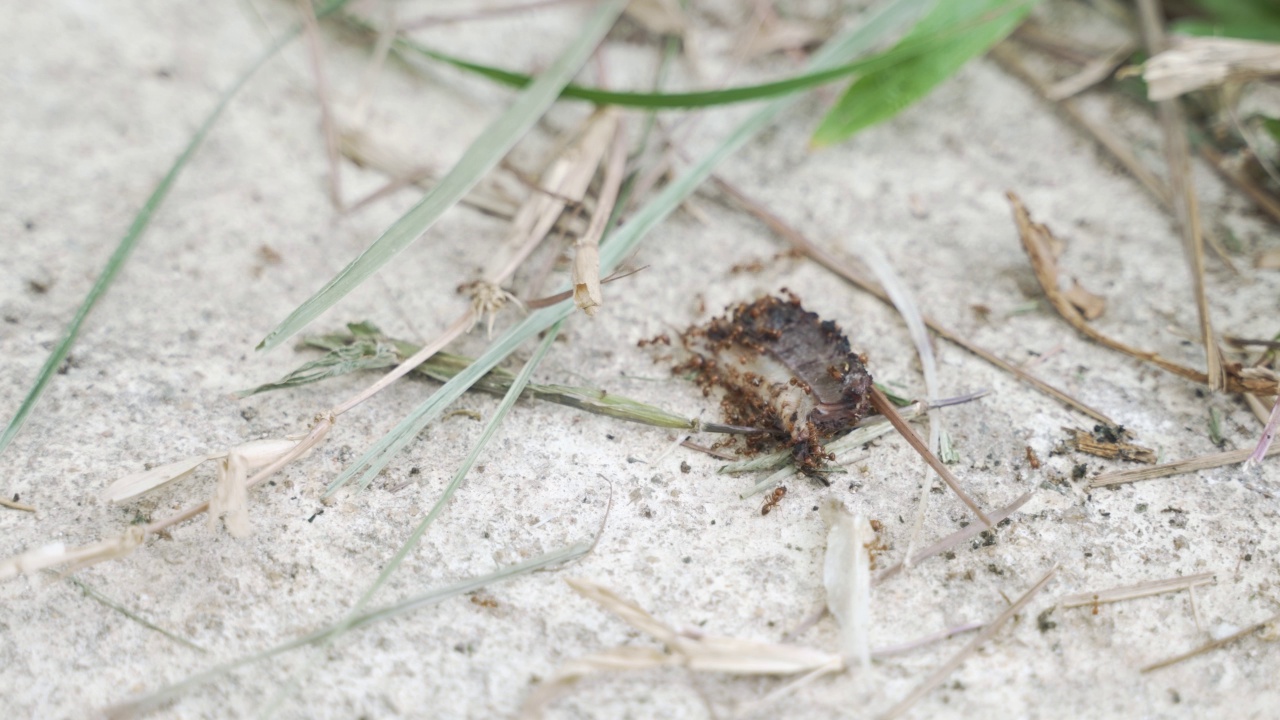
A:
{"x": 846, "y": 574}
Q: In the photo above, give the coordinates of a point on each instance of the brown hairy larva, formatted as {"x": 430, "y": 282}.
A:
{"x": 784, "y": 370}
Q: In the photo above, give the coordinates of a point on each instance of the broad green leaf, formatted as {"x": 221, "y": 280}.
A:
{"x": 480, "y": 157}
{"x": 879, "y": 95}
{"x": 134, "y": 233}
{"x": 622, "y": 243}
{"x": 1243, "y": 19}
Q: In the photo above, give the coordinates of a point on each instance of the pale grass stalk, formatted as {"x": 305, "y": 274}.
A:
{"x": 316, "y": 55}
{"x": 987, "y": 632}
{"x": 1185, "y": 203}
{"x": 1129, "y": 592}
{"x": 15, "y": 505}
{"x": 587, "y": 295}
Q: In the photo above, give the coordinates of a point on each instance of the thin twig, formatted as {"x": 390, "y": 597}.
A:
{"x": 988, "y": 631}
{"x": 1129, "y": 592}
{"x": 886, "y": 408}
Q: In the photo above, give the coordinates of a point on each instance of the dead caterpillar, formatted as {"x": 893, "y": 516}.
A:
{"x": 782, "y": 369}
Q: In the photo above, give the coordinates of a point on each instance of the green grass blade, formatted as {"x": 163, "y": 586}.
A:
{"x": 135, "y": 231}
{"x": 910, "y": 48}
{"x": 155, "y": 700}
{"x": 881, "y": 94}
{"x": 481, "y": 157}
{"x": 622, "y": 243}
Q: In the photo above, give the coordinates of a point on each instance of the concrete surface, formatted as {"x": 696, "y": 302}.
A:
{"x": 98, "y": 98}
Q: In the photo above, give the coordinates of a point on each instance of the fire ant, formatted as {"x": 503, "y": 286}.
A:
{"x": 774, "y": 498}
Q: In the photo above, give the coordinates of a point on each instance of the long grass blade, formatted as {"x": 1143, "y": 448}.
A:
{"x": 481, "y": 156}
{"x": 920, "y": 45}
{"x": 624, "y": 241}
{"x": 137, "y": 228}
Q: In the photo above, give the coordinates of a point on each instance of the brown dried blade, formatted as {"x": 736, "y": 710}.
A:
{"x": 1037, "y": 240}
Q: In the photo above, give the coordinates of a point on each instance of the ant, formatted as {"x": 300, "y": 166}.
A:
{"x": 774, "y": 498}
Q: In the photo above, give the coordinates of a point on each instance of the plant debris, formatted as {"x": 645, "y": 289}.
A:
{"x": 1110, "y": 441}
{"x": 784, "y": 370}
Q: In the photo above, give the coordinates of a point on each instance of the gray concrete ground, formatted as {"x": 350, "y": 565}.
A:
{"x": 97, "y": 100}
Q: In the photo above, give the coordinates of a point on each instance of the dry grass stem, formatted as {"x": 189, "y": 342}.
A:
{"x": 1204, "y": 462}
{"x": 15, "y": 505}
{"x": 1039, "y": 243}
{"x": 954, "y": 539}
{"x": 487, "y": 13}
{"x": 1212, "y": 645}
{"x": 453, "y": 332}
{"x": 860, "y": 280}
{"x": 586, "y": 262}
{"x": 327, "y": 124}
{"x": 1094, "y": 72}
{"x": 1193, "y": 63}
{"x": 695, "y": 651}
{"x": 886, "y": 408}
{"x": 1129, "y": 592}
{"x": 988, "y": 631}
{"x": 78, "y": 557}
{"x": 565, "y": 181}
{"x": 1186, "y": 206}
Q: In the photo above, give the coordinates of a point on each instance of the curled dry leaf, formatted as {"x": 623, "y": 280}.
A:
{"x": 698, "y": 652}
{"x": 1192, "y": 63}
{"x": 78, "y": 557}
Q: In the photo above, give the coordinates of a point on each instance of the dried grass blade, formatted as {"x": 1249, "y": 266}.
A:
{"x": 1204, "y": 462}
{"x": 1037, "y": 240}
{"x": 988, "y": 631}
{"x": 1130, "y": 592}
{"x": 1091, "y": 74}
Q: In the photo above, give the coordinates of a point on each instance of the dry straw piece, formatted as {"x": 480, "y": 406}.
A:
{"x": 1193, "y": 63}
